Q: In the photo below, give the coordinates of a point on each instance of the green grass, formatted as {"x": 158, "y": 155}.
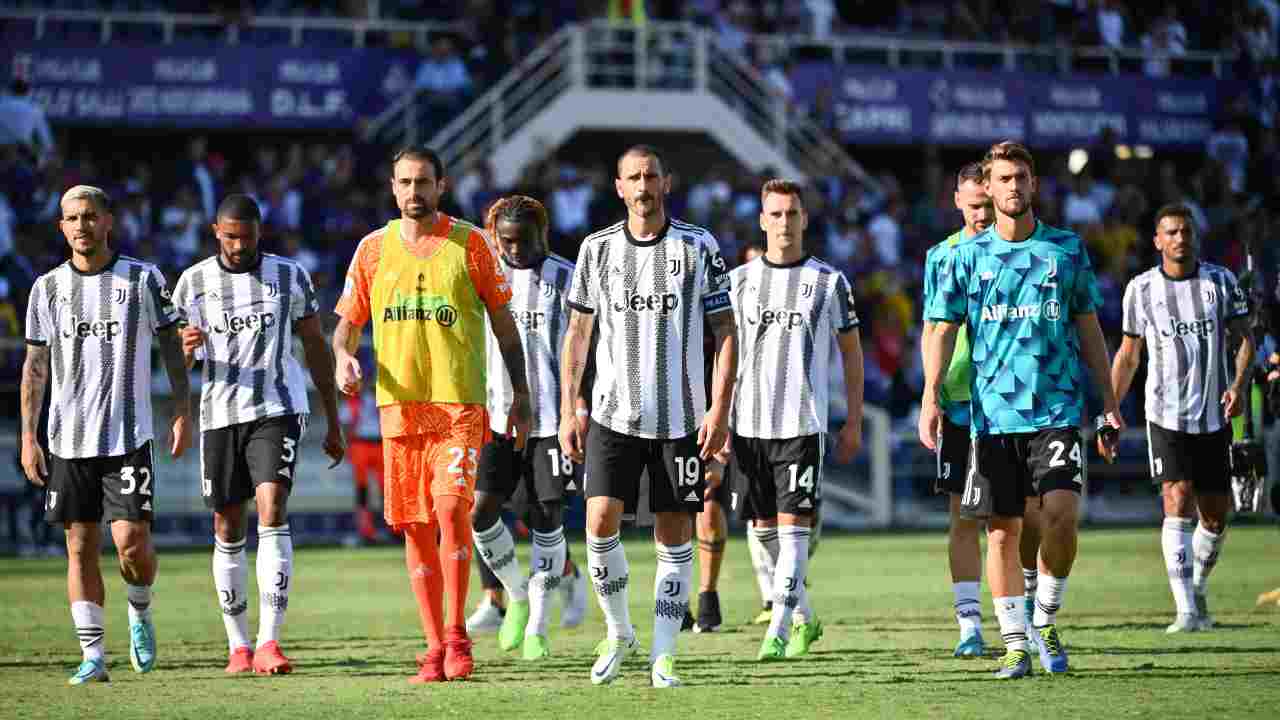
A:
{"x": 352, "y": 632}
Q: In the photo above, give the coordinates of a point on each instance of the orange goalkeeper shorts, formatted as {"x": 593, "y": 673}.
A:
{"x": 421, "y": 467}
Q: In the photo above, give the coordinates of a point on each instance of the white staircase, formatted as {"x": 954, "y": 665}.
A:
{"x": 602, "y": 76}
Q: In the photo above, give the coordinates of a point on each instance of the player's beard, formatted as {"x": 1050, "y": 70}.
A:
{"x": 422, "y": 210}
{"x": 241, "y": 260}
{"x": 653, "y": 209}
{"x": 1026, "y": 208}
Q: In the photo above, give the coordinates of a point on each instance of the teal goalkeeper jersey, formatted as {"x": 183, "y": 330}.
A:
{"x": 1019, "y": 301}
{"x": 955, "y": 388}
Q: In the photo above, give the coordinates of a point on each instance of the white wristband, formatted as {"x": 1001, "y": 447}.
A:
{"x": 582, "y": 412}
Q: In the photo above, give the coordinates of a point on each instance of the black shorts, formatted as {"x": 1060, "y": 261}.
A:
{"x": 773, "y": 476}
{"x": 1005, "y": 470}
{"x": 1202, "y": 459}
{"x": 953, "y": 459}
{"x": 121, "y": 487}
{"x": 542, "y": 471}
{"x": 236, "y": 459}
{"x": 616, "y": 461}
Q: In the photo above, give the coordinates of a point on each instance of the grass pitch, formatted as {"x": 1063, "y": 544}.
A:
{"x": 352, "y": 632}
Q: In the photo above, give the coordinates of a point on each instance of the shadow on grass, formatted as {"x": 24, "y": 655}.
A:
{"x": 1179, "y": 650}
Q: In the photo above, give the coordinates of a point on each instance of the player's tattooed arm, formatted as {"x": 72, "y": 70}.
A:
{"x": 35, "y": 375}
{"x": 175, "y": 365}
{"x": 320, "y": 365}
{"x": 574, "y": 358}
{"x": 520, "y": 417}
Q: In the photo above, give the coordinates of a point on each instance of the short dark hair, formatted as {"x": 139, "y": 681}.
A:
{"x": 240, "y": 207}
{"x": 644, "y": 151}
{"x": 419, "y": 152}
{"x": 1175, "y": 210}
{"x": 778, "y": 186}
{"x": 971, "y": 172}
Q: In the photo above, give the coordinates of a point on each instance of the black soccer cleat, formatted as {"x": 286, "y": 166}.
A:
{"x": 709, "y": 619}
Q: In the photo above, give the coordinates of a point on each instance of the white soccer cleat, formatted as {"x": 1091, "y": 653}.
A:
{"x": 573, "y": 591}
{"x": 486, "y": 618}
{"x": 663, "y": 672}
{"x": 1184, "y": 623}
{"x": 609, "y": 664}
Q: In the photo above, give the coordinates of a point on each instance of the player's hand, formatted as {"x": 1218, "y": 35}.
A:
{"x": 180, "y": 435}
{"x": 930, "y": 424}
{"x": 33, "y": 464}
{"x": 334, "y": 446}
{"x": 725, "y": 453}
{"x": 347, "y": 376}
{"x": 192, "y": 339}
{"x": 519, "y": 419}
{"x": 713, "y": 433}
{"x": 849, "y": 441}
{"x": 1107, "y": 447}
{"x": 1232, "y": 403}
{"x": 573, "y": 437}
{"x": 714, "y": 476}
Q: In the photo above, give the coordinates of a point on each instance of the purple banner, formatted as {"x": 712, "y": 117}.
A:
{"x": 878, "y": 106}
{"x": 193, "y": 86}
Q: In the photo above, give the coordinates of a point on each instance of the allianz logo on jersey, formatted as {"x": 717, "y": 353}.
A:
{"x": 421, "y": 307}
{"x": 1049, "y": 310}
{"x": 70, "y": 326}
{"x": 661, "y": 303}
{"x": 234, "y": 324}
{"x": 781, "y": 317}
{"x": 1198, "y": 328}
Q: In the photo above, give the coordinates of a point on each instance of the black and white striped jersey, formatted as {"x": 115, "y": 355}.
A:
{"x": 786, "y": 317}
{"x": 248, "y": 318}
{"x": 539, "y": 304}
{"x": 99, "y": 329}
{"x": 1184, "y": 323}
{"x": 650, "y": 297}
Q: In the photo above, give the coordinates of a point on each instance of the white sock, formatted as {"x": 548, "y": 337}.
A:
{"x": 1030, "y": 581}
{"x": 88, "y": 619}
{"x": 549, "y": 551}
{"x": 1048, "y": 599}
{"x": 788, "y": 579}
{"x": 498, "y": 550}
{"x": 1205, "y": 546}
{"x": 968, "y": 606}
{"x": 609, "y": 576}
{"x": 761, "y": 561}
{"x": 275, "y": 574}
{"x": 230, "y": 575}
{"x": 670, "y": 596}
{"x": 1175, "y": 542}
{"x": 139, "y": 602}
{"x": 1013, "y": 624}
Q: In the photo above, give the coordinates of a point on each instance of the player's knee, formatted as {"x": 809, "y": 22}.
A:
{"x": 486, "y": 511}
{"x": 1179, "y": 501}
{"x": 964, "y": 530}
{"x": 82, "y": 545}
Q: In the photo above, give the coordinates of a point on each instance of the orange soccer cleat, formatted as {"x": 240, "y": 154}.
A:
{"x": 241, "y": 661}
{"x": 268, "y": 660}
{"x": 430, "y": 667}
{"x": 458, "y": 663}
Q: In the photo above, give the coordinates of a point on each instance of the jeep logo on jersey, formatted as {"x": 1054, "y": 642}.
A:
{"x": 653, "y": 302}
{"x": 247, "y": 322}
{"x": 1001, "y": 313}
{"x": 531, "y": 319}
{"x": 74, "y": 327}
{"x": 1198, "y": 328}
{"x": 786, "y": 319}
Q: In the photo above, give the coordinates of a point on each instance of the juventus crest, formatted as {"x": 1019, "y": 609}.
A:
{"x": 673, "y": 266}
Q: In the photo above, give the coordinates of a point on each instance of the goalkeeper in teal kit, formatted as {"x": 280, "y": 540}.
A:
{"x": 1027, "y": 295}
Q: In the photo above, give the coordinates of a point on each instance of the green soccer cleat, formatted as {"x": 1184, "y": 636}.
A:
{"x": 142, "y": 645}
{"x": 663, "y": 673}
{"x": 90, "y": 671}
{"x": 609, "y": 664}
{"x": 535, "y": 647}
{"x": 1015, "y": 664}
{"x": 511, "y": 634}
{"x": 773, "y": 648}
{"x": 764, "y": 616}
{"x": 802, "y": 636}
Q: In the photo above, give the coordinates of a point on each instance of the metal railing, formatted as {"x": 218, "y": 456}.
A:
{"x": 665, "y": 57}
{"x": 897, "y": 52}
{"x": 107, "y": 25}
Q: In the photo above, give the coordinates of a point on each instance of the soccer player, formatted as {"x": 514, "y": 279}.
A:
{"x": 964, "y": 552}
{"x": 91, "y": 320}
{"x": 787, "y": 305}
{"x": 1029, "y": 299}
{"x": 1187, "y": 313}
{"x": 650, "y": 280}
{"x": 243, "y": 307}
{"x": 428, "y": 281}
{"x": 540, "y": 286}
